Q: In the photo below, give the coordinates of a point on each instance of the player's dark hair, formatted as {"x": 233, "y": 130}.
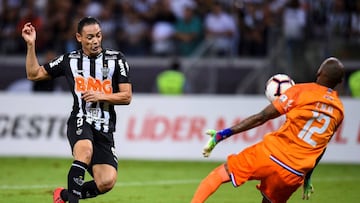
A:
{"x": 86, "y": 21}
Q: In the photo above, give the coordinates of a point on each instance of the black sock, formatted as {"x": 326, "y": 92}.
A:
{"x": 76, "y": 180}
{"x": 64, "y": 195}
{"x": 89, "y": 190}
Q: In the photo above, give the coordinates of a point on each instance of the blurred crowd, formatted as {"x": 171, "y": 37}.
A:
{"x": 182, "y": 27}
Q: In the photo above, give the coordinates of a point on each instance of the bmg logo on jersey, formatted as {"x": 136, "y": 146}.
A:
{"x": 84, "y": 84}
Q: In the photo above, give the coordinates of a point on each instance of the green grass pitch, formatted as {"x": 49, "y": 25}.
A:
{"x": 28, "y": 180}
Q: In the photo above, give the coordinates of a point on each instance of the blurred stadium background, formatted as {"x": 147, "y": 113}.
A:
{"x": 258, "y": 38}
{"x": 225, "y": 60}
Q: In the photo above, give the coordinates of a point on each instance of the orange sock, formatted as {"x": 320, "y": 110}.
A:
{"x": 210, "y": 184}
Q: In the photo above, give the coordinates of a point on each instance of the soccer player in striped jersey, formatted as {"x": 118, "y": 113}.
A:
{"x": 98, "y": 79}
{"x": 285, "y": 158}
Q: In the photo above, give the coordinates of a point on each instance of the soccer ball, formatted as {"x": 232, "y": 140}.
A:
{"x": 277, "y": 85}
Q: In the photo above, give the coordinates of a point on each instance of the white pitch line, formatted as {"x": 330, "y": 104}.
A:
{"x": 119, "y": 184}
{"x": 335, "y": 179}
{"x": 160, "y": 182}
{"x": 164, "y": 182}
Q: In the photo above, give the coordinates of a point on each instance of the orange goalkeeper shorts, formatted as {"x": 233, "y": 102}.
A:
{"x": 277, "y": 183}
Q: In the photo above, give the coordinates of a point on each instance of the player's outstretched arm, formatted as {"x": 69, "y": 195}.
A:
{"x": 269, "y": 112}
{"x": 33, "y": 70}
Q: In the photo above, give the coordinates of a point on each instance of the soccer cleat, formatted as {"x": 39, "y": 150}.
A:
{"x": 57, "y": 196}
{"x": 210, "y": 145}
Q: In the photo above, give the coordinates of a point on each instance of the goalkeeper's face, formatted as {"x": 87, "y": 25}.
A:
{"x": 90, "y": 39}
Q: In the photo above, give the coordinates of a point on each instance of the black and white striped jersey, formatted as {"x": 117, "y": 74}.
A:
{"x": 102, "y": 73}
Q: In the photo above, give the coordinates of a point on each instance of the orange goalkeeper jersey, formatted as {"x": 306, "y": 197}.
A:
{"x": 313, "y": 114}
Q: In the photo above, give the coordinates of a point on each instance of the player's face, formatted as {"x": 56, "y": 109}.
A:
{"x": 90, "y": 39}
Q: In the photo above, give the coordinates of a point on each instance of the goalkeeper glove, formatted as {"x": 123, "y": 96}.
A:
{"x": 215, "y": 137}
{"x": 209, "y": 146}
{"x": 308, "y": 189}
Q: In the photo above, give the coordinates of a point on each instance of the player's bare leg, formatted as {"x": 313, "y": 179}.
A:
{"x": 104, "y": 180}
{"x": 105, "y": 177}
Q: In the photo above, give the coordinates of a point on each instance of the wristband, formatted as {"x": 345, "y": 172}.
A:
{"x": 223, "y": 134}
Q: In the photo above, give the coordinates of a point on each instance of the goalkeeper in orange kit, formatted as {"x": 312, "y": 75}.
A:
{"x": 284, "y": 159}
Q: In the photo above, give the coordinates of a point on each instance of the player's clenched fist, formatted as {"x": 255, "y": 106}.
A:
{"x": 29, "y": 33}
